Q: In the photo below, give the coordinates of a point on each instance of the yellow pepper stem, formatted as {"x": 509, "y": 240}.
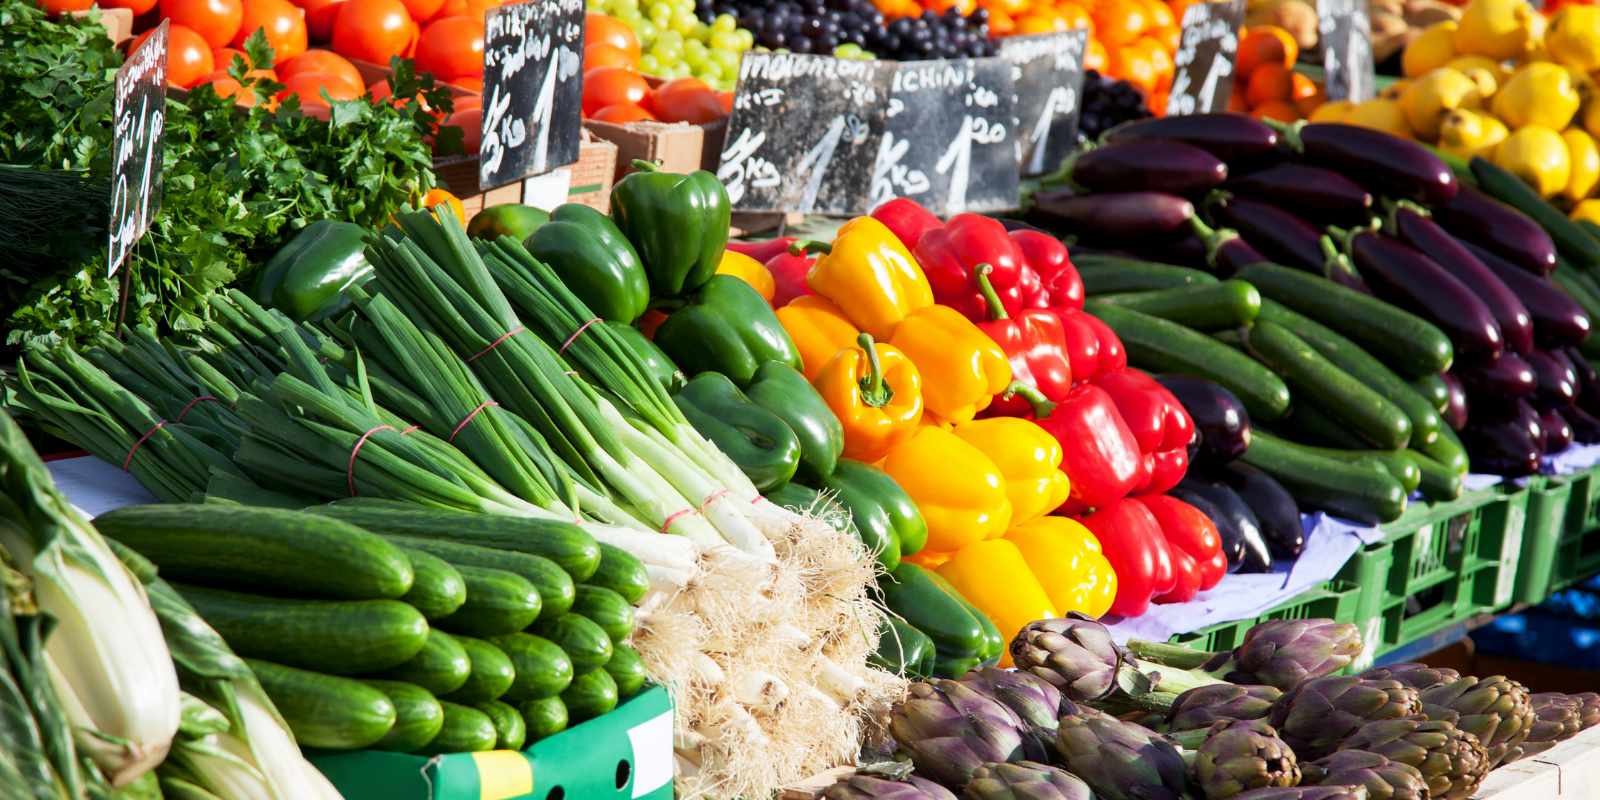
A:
{"x": 800, "y": 247}
{"x": 1041, "y": 404}
{"x": 875, "y": 391}
{"x": 990, "y": 298}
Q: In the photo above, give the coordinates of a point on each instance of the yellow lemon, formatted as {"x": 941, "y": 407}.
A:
{"x": 1574, "y": 37}
{"x": 1499, "y": 29}
{"x": 1383, "y": 115}
{"x": 1430, "y": 97}
{"x": 1538, "y": 156}
{"x": 1331, "y": 112}
{"x": 1585, "y": 160}
{"x": 1466, "y": 134}
{"x": 1431, "y": 50}
{"x": 1539, "y": 94}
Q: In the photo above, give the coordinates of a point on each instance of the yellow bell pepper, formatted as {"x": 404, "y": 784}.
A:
{"x": 750, "y": 271}
{"x": 1029, "y": 459}
{"x": 962, "y": 368}
{"x": 818, "y": 329}
{"x": 995, "y": 579}
{"x": 876, "y": 394}
{"x": 870, "y": 275}
{"x": 927, "y": 559}
{"x": 959, "y": 491}
{"x": 1065, "y": 557}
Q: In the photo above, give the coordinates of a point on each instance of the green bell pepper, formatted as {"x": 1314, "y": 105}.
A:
{"x": 679, "y": 223}
{"x": 762, "y": 446}
{"x": 802, "y": 500}
{"x": 656, "y": 362}
{"x": 939, "y": 612}
{"x": 507, "y": 219}
{"x": 306, "y": 279}
{"x": 904, "y": 650}
{"x": 781, "y": 389}
{"x": 725, "y": 327}
{"x": 594, "y": 260}
{"x": 884, "y": 515}
{"x": 994, "y": 645}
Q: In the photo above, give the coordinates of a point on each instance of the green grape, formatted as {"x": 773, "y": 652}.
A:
{"x": 702, "y": 31}
{"x": 623, "y": 5}
{"x": 727, "y": 59}
{"x": 710, "y": 72}
{"x": 666, "y": 52}
{"x": 681, "y": 70}
{"x": 630, "y": 16}
{"x": 670, "y": 35}
{"x": 645, "y": 30}
{"x": 747, "y": 39}
{"x": 695, "y": 58}
{"x": 649, "y": 64}
{"x": 847, "y": 50}
{"x": 725, "y": 22}
{"x": 660, "y": 10}
{"x": 727, "y": 40}
{"x": 684, "y": 24}
{"x": 686, "y": 6}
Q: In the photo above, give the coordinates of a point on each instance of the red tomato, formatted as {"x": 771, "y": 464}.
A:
{"x": 726, "y": 99}
{"x": 622, "y": 114}
{"x": 606, "y": 29}
{"x": 470, "y": 121}
{"x": 136, "y": 6}
{"x": 308, "y": 85}
{"x": 600, "y": 55}
{"x": 372, "y": 30}
{"x": 215, "y": 20}
{"x": 56, "y": 8}
{"x": 322, "y": 61}
{"x": 471, "y": 9}
{"x": 451, "y": 48}
{"x": 221, "y": 83}
{"x": 421, "y": 10}
{"x": 320, "y": 16}
{"x": 188, "y": 57}
{"x": 317, "y": 109}
{"x": 285, "y": 29}
{"x": 223, "y": 57}
{"x": 687, "y": 100}
{"x": 609, "y": 86}
{"x": 473, "y": 83}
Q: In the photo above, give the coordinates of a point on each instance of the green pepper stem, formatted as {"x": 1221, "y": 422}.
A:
{"x": 668, "y": 304}
{"x": 800, "y": 247}
{"x": 1041, "y": 404}
{"x": 875, "y": 391}
{"x": 646, "y": 166}
{"x": 997, "y": 310}
{"x": 1213, "y": 238}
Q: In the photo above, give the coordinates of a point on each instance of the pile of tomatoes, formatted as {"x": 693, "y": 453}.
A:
{"x": 614, "y": 91}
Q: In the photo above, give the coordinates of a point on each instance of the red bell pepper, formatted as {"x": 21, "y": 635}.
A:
{"x": 1035, "y": 344}
{"x": 789, "y": 277}
{"x": 1156, "y": 418}
{"x": 906, "y": 219}
{"x": 950, "y": 256}
{"x": 1058, "y": 283}
{"x": 1112, "y": 357}
{"x": 1099, "y": 453}
{"x": 1131, "y": 539}
{"x": 1188, "y": 529}
{"x": 1188, "y": 583}
{"x": 761, "y": 251}
{"x": 1167, "y": 468}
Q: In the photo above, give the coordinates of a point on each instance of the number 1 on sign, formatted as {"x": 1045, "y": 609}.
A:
{"x": 1221, "y": 67}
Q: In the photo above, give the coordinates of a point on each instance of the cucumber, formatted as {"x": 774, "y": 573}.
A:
{"x": 1570, "y": 239}
{"x": 1308, "y": 423}
{"x": 607, "y": 609}
{"x": 553, "y": 582}
{"x": 1157, "y": 345}
{"x": 465, "y": 730}
{"x": 1439, "y": 482}
{"x": 437, "y": 590}
{"x": 1590, "y": 228}
{"x": 417, "y": 716}
{"x": 1400, "y": 464}
{"x": 590, "y": 696}
{"x": 498, "y": 603}
{"x": 621, "y": 572}
{"x": 542, "y": 668}
{"x": 509, "y": 729}
{"x": 1204, "y": 307}
{"x": 543, "y": 718}
{"x": 442, "y": 667}
{"x": 1313, "y": 377}
{"x": 1581, "y": 288}
{"x": 1110, "y": 275}
{"x": 1407, "y": 343}
{"x": 1447, "y": 450}
{"x": 339, "y": 637}
{"x": 491, "y": 672}
{"x": 1359, "y": 493}
{"x": 323, "y": 710}
{"x": 583, "y": 641}
{"x": 561, "y": 542}
{"x": 268, "y": 550}
{"x": 1348, "y": 356}
{"x": 1434, "y": 392}
{"x": 627, "y": 669}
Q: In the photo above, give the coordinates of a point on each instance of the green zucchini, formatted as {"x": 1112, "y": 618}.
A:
{"x": 442, "y": 667}
{"x": 1590, "y": 228}
{"x": 1447, "y": 450}
{"x": 498, "y": 603}
{"x": 590, "y": 696}
{"x": 561, "y": 542}
{"x": 1313, "y": 377}
{"x": 1157, "y": 345}
{"x": 509, "y": 729}
{"x": 437, "y": 590}
{"x": 491, "y": 672}
{"x": 339, "y": 637}
{"x": 543, "y": 669}
{"x": 1204, "y": 307}
{"x": 553, "y": 582}
{"x": 583, "y": 641}
{"x": 417, "y": 716}
{"x": 267, "y": 550}
{"x": 1407, "y": 343}
{"x": 1112, "y": 275}
{"x": 627, "y": 669}
{"x": 543, "y": 718}
{"x": 621, "y": 572}
{"x": 1433, "y": 390}
{"x": 1361, "y": 493}
{"x": 465, "y": 730}
{"x": 325, "y": 711}
{"x": 605, "y": 608}
{"x": 1439, "y": 482}
{"x": 1570, "y": 239}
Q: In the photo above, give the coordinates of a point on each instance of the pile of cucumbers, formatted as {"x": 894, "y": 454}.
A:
{"x": 393, "y": 627}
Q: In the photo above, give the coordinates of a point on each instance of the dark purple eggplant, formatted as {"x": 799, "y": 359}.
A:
{"x": 1019, "y": 225}
{"x": 1226, "y": 251}
{"x": 1274, "y": 507}
{"x": 1508, "y": 378}
{"x": 1218, "y": 416}
{"x": 1557, "y": 381}
{"x": 1499, "y": 228}
{"x": 1234, "y": 138}
{"x": 1455, "y": 411}
{"x": 1421, "y": 232}
{"x": 1585, "y": 426}
{"x": 1384, "y": 163}
{"x": 1558, "y": 320}
{"x": 1257, "y": 556}
{"x": 1557, "y": 431}
{"x": 1283, "y": 238}
{"x": 1400, "y": 274}
{"x": 1115, "y": 217}
{"x": 1505, "y": 442}
{"x": 1188, "y": 251}
{"x": 1074, "y": 250}
{"x": 1154, "y": 166}
{"x": 1232, "y": 539}
{"x": 1303, "y": 189}
{"x": 1581, "y": 368}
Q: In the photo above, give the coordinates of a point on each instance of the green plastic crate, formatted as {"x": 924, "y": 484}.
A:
{"x": 1583, "y": 509}
{"x": 1548, "y": 502}
{"x": 1336, "y": 600}
{"x": 1577, "y": 556}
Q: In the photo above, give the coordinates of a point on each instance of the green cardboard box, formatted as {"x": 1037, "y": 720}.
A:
{"x": 624, "y": 755}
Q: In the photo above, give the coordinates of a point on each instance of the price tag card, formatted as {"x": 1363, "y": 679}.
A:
{"x": 1048, "y": 71}
{"x": 1347, "y": 64}
{"x": 950, "y": 143}
{"x": 137, "y": 137}
{"x": 803, "y": 133}
{"x": 532, "y": 89}
{"x": 1203, "y": 66}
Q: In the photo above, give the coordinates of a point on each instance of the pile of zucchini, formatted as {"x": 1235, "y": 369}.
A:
{"x": 386, "y": 626}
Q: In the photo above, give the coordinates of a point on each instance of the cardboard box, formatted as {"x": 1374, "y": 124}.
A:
{"x": 588, "y": 181}
{"x": 118, "y": 23}
{"x": 681, "y": 147}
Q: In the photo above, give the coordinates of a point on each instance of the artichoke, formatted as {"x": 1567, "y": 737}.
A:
{"x": 1417, "y": 676}
{"x": 1493, "y": 709}
{"x": 1555, "y": 720}
{"x": 1383, "y": 779}
{"x": 1317, "y": 714}
{"x": 1238, "y": 756}
{"x": 1450, "y": 760}
{"x": 1202, "y": 706}
{"x": 1306, "y": 793}
{"x": 867, "y": 787}
{"x": 1588, "y": 709}
{"x": 1120, "y": 760}
{"x": 1035, "y": 701}
{"x": 1074, "y": 654}
{"x": 1026, "y": 781}
{"x": 1283, "y": 652}
{"x": 949, "y": 730}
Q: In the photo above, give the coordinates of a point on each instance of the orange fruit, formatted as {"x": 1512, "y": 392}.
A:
{"x": 940, "y": 6}
{"x": 1178, "y": 7}
{"x": 436, "y": 196}
{"x": 1041, "y": 20}
{"x": 1301, "y": 87}
{"x": 1095, "y": 56}
{"x": 1007, "y": 7}
{"x": 1158, "y": 103}
{"x": 1118, "y": 22}
{"x": 1159, "y": 14}
{"x": 1265, "y": 44}
{"x": 1269, "y": 82}
{"x": 1236, "y": 101}
{"x": 1077, "y": 16}
{"x": 1001, "y": 24}
{"x": 1132, "y": 64}
{"x": 1159, "y": 58}
{"x": 1170, "y": 36}
{"x": 1311, "y": 102}
{"x": 1278, "y": 110}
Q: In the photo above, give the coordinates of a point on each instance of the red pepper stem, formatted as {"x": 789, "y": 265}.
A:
{"x": 800, "y": 247}
{"x": 875, "y": 391}
{"x": 997, "y": 310}
{"x": 1041, "y": 404}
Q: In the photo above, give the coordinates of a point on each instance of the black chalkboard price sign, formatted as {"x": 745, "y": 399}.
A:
{"x": 1346, "y": 32}
{"x": 1202, "y": 78}
{"x": 804, "y": 132}
{"x": 950, "y": 143}
{"x": 532, "y": 89}
{"x": 140, "y": 112}
{"x": 1048, "y": 71}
